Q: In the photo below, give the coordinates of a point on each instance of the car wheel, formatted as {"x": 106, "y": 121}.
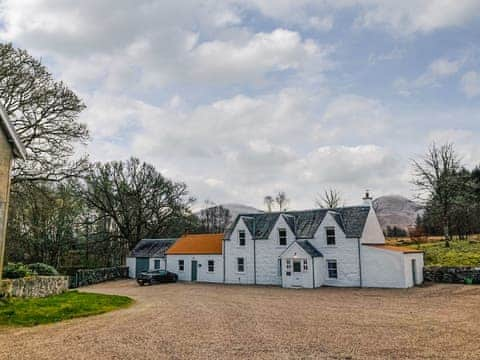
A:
{"x": 140, "y": 283}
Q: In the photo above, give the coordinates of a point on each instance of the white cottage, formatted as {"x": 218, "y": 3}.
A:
{"x": 334, "y": 247}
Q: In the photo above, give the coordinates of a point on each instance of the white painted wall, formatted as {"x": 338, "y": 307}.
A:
{"x": 383, "y": 268}
{"x": 203, "y": 275}
{"x": 345, "y": 252}
{"x": 268, "y": 253}
{"x": 131, "y": 263}
{"x": 372, "y": 232}
{"x": 151, "y": 263}
{"x": 302, "y": 279}
{"x": 233, "y": 250}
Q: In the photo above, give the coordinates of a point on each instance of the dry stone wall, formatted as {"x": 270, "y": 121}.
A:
{"x": 34, "y": 286}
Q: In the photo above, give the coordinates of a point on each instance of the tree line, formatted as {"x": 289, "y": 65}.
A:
{"x": 64, "y": 210}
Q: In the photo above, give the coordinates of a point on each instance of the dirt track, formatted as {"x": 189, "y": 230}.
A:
{"x": 223, "y": 322}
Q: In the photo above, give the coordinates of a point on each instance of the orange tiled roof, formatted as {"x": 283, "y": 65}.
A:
{"x": 401, "y": 249}
{"x": 197, "y": 244}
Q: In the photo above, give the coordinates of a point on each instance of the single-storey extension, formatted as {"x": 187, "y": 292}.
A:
{"x": 148, "y": 254}
{"x": 197, "y": 257}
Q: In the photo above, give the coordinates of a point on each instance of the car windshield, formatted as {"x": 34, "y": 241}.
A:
{"x": 157, "y": 272}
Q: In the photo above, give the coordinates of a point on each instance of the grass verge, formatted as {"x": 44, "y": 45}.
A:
{"x": 69, "y": 305}
{"x": 460, "y": 253}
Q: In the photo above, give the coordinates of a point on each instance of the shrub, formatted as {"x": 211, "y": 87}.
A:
{"x": 42, "y": 269}
{"x": 16, "y": 270}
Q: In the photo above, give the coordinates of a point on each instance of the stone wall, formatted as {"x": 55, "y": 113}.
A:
{"x": 94, "y": 276}
{"x": 455, "y": 275}
{"x": 34, "y": 286}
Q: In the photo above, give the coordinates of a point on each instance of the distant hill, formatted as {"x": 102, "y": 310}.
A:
{"x": 236, "y": 209}
{"x": 396, "y": 210}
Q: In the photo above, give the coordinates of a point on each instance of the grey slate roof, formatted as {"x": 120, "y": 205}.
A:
{"x": 305, "y": 223}
{"x": 152, "y": 247}
{"x": 305, "y": 245}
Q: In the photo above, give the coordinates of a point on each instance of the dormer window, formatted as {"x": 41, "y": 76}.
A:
{"x": 241, "y": 237}
{"x": 282, "y": 237}
{"x": 330, "y": 231}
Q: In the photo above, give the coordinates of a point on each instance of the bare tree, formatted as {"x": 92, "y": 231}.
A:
{"x": 436, "y": 177}
{"x": 282, "y": 200}
{"x": 268, "y": 200}
{"x": 330, "y": 199}
{"x": 44, "y": 113}
{"x": 138, "y": 199}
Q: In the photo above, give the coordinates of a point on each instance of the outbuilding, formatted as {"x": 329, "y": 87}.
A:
{"x": 197, "y": 257}
{"x": 148, "y": 254}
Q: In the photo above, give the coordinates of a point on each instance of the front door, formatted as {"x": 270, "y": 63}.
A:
{"x": 194, "y": 270}
{"x": 297, "y": 276}
{"x": 141, "y": 264}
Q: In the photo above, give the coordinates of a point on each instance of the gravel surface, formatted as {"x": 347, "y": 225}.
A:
{"x": 185, "y": 321}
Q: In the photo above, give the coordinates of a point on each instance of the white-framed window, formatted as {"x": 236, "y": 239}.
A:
{"x": 156, "y": 264}
{"x": 289, "y": 264}
{"x": 332, "y": 269}
{"x": 211, "y": 266}
{"x": 330, "y": 232}
{"x": 282, "y": 237}
{"x": 241, "y": 265}
{"x": 181, "y": 265}
{"x": 305, "y": 265}
{"x": 241, "y": 237}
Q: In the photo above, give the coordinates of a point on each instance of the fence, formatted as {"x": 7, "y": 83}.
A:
{"x": 84, "y": 277}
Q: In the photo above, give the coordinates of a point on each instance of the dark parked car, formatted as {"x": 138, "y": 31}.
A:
{"x": 156, "y": 276}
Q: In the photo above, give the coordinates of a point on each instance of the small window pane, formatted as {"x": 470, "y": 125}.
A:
{"x": 241, "y": 237}
{"x": 241, "y": 265}
{"x": 297, "y": 266}
{"x": 332, "y": 269}
{"x": 282, "y": 237}
{"x": 211, "y": 266}
{"x": 330, "y": 236}
{"x": 305, "y": 265}
{"x": 289, "y": 264}
{"x": 156, "y": 264}
{"x": 181, "y": 265}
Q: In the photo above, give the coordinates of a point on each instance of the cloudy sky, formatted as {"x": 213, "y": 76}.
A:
{"x": 243, "y": 98}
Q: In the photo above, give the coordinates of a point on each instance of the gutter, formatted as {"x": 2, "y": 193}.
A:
{"x": 360, "y": 262}
{"x": 254, "y": 254}
{"x": 223, "y": 255}
{"x": 313, "y": 271}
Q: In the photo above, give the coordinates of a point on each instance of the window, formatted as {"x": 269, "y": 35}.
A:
{"x": 282, "y": 237}
{"x": 211, "y": 266}
{"x": 332, "y": 269}
{"x": 241, "y": 237}
{"x": 305, "y": 265}
{"x": 181, "y": 265}
{"x": 330, "y": 236}
{"x": 289, "y": 267}
{"x": 297, "y": 266}
{"x": 156, "y": 264}
{"x": 241, "y": 265}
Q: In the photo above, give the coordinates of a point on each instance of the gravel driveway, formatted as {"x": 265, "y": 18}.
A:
{"x": 184, "y": 321}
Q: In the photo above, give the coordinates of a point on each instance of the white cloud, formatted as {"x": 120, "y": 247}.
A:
{"x": 416, "y": 16}
{"x": 437, "y": 71}
{"x": 471, "y": 84}
{"x": 353, "y": 117}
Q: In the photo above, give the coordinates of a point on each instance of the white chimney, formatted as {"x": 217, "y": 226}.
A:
{"x": 367, "y": 200}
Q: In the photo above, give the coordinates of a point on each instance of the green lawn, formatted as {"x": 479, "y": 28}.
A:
{"x": 69, "y": 305}
{"x": 460, "y": 253}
